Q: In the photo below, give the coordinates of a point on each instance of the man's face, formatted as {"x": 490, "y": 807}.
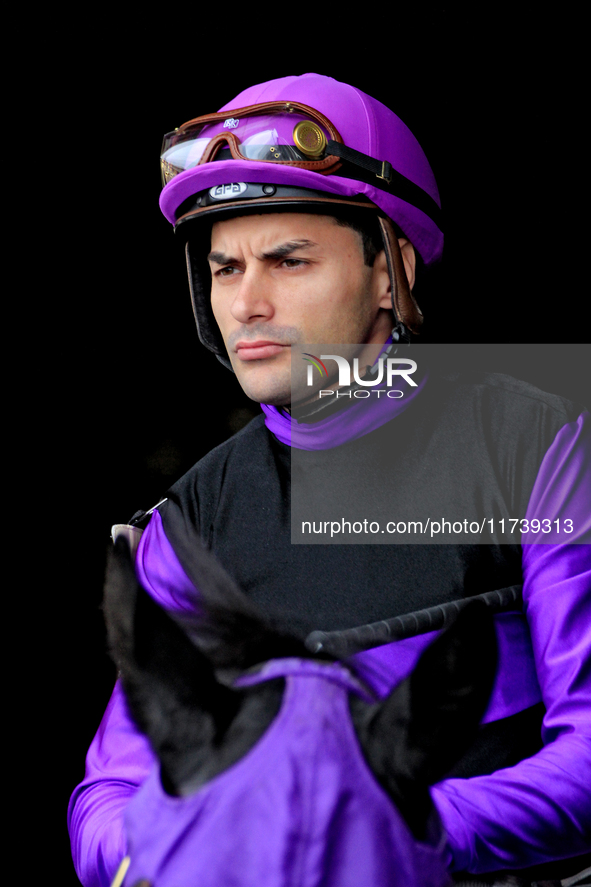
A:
{"x": 285, "y": 279}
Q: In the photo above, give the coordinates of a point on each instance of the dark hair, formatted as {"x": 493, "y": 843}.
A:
{"x": 366, "y": 225}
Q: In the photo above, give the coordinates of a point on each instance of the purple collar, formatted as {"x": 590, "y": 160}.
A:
{"x": 363, "y": 415}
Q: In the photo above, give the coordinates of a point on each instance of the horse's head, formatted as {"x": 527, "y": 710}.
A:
{"x": 276, "y": 767}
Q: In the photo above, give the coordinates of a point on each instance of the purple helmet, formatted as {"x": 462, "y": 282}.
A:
{"x": 300, "y": 143}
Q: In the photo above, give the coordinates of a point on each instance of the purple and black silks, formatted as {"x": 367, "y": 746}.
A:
{"x": 533, "y": 810}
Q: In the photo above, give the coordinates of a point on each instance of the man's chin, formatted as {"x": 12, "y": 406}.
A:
{"x": 273, "y": 391}
{"x": 265, "y": 381}
{"x": 270, "y": 398}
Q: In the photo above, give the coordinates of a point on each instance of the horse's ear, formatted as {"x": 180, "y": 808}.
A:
{"x": 227, "y": 625}
{"x": 170, "y": 686}
{"x": 414, "y": 738}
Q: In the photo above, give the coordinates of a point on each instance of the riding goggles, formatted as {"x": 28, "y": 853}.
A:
{"x": 274, "y": 132}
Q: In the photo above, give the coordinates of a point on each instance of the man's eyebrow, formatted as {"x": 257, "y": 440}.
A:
{"x": 278, "y": 252}
{"x": 221, "y": 259}
{"x": 286, "y": 249}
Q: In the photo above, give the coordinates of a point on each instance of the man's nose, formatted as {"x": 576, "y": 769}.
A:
{"x": 253, "y": 300}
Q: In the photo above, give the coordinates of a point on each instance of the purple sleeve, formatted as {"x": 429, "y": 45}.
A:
{"x": 117, "y": 763}
{"x": 540, "y": 809}
{"x": 120, "y": 758}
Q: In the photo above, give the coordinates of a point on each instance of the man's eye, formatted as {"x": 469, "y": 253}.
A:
{"x": 294, "y": 263}
{"x": 226, "y": 272}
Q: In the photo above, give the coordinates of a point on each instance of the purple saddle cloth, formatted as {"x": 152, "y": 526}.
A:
{"x": 300, "y": 809}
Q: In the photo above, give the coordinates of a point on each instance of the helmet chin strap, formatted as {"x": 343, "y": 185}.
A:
{"x": 407, "y": 314}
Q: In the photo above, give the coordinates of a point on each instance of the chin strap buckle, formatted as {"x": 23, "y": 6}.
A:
{"x": 401, "y": 335}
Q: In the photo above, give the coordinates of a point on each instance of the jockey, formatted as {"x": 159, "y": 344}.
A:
{"x": 305, "y": 206}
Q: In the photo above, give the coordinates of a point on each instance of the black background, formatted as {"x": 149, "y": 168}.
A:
{"x": 124, "y": 398}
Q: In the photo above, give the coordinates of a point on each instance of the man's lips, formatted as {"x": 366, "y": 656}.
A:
{"x": 258, "y": 350}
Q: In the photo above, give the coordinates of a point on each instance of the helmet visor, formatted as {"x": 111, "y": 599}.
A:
{"x": 279, "y": 134}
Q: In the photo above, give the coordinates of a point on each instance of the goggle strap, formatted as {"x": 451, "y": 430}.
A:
{"x": 389, "y": 179}
{"x": 261, "y": 108}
